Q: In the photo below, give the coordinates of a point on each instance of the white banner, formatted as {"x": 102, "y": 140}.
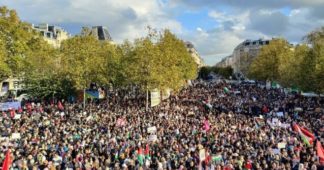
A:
{"x": 155, "y": 97}
{"x": 166, "y": 94}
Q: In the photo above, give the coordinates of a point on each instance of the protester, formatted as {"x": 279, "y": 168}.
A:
{"x": 207, "y": 125}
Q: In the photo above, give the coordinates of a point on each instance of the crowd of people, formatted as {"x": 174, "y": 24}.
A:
{"x": 207, "y": 125}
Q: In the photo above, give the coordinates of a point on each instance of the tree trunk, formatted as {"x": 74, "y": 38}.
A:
{"x": 84, "y": 98}
{"x": 147, "y": 96}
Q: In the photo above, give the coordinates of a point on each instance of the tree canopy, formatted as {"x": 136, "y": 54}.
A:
{"x": 159, "y": 60}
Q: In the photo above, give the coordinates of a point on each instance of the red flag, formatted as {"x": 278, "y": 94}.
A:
{"x": 7, "y": 162}
{"x": 20, "y": 110}
{"x": 320, "y": 152}
{"x": 60, "y": 106}
{"x": 147, "y": 150}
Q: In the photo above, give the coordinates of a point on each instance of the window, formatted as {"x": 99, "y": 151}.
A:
{"x": 101, "y": 34}
{"x": 254, "y": 42}
{"x": 267, "y": 42}
{"x": 247, "y": 43}
{"x": 16, "y": 84}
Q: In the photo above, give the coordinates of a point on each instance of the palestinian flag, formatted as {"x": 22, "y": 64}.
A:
{"x": 307, "y": 137}
{"x": 147, "y": 151}
{"x": 259, "y": 121}
{"x": 320, "y": 152}
{"x": 140, "y": 156}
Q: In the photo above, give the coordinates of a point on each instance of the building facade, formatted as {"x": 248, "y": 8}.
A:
{"x": 10, "y": 85}
{"x": 243, "y": 55}
{"x": 99, "y": 32}
{"x": 194, "y": 54}
{"x": 54, "y": 35}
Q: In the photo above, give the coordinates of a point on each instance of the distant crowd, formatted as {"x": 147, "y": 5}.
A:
{"x": 207, "y": 126}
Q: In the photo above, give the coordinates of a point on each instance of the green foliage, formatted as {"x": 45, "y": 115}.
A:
{"x": 205, "y": 71}
{"x": 79, "y": 60}
{"x": 313, "y": 63}
{"x": 159, "y": 60}
{"x": 266, "y": 65}
{"x": 301, "y": 66}
{"x": 225, "y": 72}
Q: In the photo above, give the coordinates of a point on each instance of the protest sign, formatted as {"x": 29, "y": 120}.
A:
{"x": 153, "y": 138}
{"x": 282, "y": 145}
{"x": 202, "y": 154}
{"x": 15, "y": 136}
{"x": 280, "y": 114}
{"x": 151, "y": 129}
{"x": 17, "y": 116}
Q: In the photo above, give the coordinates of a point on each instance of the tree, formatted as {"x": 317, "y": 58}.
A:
{"x": 313, "y": 63}
{"x": 43, "y": 77}
{"x": 289, "y": 66}
{"x": 14, "y": 38}
{"x": 266, "y": 65}
{"x": 205, "y": 71}
{"x": 226, "y": 72}
{"x": 176, "y": 63}
{"x": 79, "y": 60}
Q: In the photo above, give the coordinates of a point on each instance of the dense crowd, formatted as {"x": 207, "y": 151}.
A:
{"x": 207, "y": 126}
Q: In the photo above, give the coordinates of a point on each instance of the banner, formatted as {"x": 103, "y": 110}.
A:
{"x": 280, "y": 114}
{"x": 282, "y": 145}
{"x": 155, "y": 97}
{"x": 151, "y": 129}
{"x": 95, "y": 94}
{"x": 9, "y": 105}
{"x": 166, "y": 94}
{"x": 202, "y": 154}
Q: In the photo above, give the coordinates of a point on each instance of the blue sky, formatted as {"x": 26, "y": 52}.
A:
{"x": 214, "y": 27}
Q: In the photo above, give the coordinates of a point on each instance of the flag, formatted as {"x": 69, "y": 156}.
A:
{"x": 259, "y": 121}
{"x": 320, "y": 152}
{"x": 307, "y": 133}
{"x": 60, "y": 106}
{"x": 206, "y": 125}
{"x": 307, "y": 137}
{"x": 226, "y": 90}
{"x": 147, "y": 151}
{"x": 140, "y": 156}
{"x": 7, "y": 161}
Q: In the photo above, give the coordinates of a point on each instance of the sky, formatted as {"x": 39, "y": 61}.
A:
{"x": 215, "y": 27}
